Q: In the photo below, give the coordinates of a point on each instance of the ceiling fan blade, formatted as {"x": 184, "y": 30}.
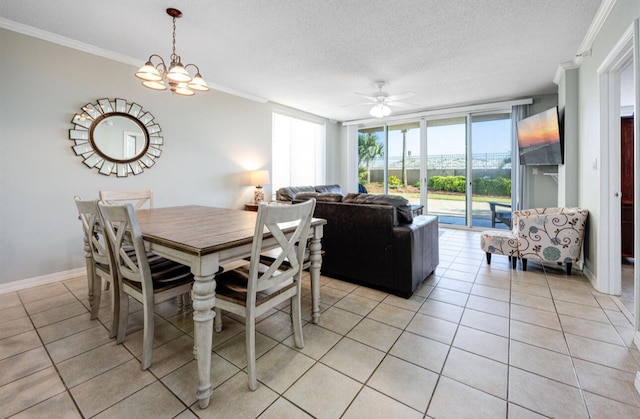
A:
{"x": 357, "y": 104}
{"x": 366, "y": 96}
{"x": 400, "y": 96}
{"x": 400, "y": 104}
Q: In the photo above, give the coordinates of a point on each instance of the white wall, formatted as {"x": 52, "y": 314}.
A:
{"x": 211, "y": 141}
{"x": 618, "y": 21}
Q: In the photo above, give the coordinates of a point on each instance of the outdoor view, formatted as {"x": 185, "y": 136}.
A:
{"x": 447, "y": 139}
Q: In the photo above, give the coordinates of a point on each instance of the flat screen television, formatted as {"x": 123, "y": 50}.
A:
{"x": 539, "y": 141}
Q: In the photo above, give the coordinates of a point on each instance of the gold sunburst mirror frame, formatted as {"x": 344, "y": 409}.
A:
{"x": 116, "y": 137}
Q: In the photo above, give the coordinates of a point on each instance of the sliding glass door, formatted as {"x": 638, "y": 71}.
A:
{"x": 446, "y": 170}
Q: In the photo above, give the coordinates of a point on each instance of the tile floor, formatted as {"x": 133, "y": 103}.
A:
{"x": 474, "y": 341}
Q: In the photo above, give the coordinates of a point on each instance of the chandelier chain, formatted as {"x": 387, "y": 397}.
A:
{"x": 173, "y": 55}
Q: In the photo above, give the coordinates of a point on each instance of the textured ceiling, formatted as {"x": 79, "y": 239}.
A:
{"x": 313, "y": 55}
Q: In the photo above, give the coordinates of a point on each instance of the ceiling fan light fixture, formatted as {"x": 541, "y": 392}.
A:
{"x": 380, "y": 110}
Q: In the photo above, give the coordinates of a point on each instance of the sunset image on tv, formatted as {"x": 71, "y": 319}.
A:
{"x": 539, "y": 139}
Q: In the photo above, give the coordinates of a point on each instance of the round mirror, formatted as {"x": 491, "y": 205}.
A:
{"x": 116, "y": 136}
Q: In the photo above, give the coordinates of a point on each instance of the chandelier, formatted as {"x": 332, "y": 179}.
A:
{"x": 180, "y": 81}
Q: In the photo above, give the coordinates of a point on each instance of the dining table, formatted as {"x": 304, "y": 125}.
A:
{"x": 205, "y": 238}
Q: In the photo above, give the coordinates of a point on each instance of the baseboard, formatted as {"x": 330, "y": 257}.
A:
{"x": 41, "y": 280}
{"x": 590, "y": 276}
{"x": 636, "y": 382}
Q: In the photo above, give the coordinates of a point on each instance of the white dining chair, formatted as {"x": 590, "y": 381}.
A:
{"x": 98, "y": 259}
{"x": 253, "y": 288}
{"x": 139, "y": 198}
{"x": 148, "y": 283}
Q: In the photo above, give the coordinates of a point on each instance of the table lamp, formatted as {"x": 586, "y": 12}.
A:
{"x": 259, "y": 178}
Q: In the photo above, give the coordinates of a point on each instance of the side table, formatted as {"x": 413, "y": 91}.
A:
{"x": 251, "y": 206}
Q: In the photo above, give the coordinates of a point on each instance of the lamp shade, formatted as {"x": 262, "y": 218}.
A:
{"x": 259, "y": 177}
{"x": 380, "y": 110}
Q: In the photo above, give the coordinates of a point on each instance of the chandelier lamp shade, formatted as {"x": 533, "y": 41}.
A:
{"x": 157, "y": 75}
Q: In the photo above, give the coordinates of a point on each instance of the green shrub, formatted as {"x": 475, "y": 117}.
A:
{"x": 500, "y": 186}
{"x": 448, "y": 183}
{"x": 417, "y": 184}
{"x": 394, "y": 182}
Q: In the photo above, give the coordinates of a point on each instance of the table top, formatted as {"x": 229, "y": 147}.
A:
{"x": 200, "y": 230}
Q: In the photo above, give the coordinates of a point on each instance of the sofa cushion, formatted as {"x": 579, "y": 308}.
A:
{"x": 305, "y": 196}
{"x": 329, "y": 189}
{"x": 288, "y": 193}
{"x": 401, "y": 204}
{"x": 329, "y": 197}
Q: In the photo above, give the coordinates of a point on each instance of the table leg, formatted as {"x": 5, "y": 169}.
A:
{"x": 203, "y": 296}
{"x": 314, "y": 269}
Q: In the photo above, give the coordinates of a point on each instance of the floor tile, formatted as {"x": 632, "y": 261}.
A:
{"x": 603, "y": 408}
{"x": 391, "y": 315}
{"x": 595, "y": 314}
{"x": 448, "y": 296}
{"x": 284, "y": 409}
{"x": 19, "y": 343}
{"x": 540, "y": 290}
{"x": 234, "y": 350}
{"x": 41, "y": 386}
{"x": 281, "y": 367}
{"x": 338, "y": 320}
{"x": 574, "y": 297}
{"x": 182, "y": 381}
{"x": 533, "y": 301}
{"x": 608, "y": 382}
{"x": 78, "y": 343}
{"x": 152, "y": 401}
{"x": 488, "y": 305}
{"x": 375, "y": 334}
{"x": 338, "y": 388}
{"x": 518, "y": 412}
{"x": 391, "y": 379}
{"x": 372, "y": 404}
{"x": 278, "y": 326}
{"x": 66, "y": 327}
{"x": 357, "y": 304}
{"x": 482, "y": 343}
{"x": 12, "y": 313}
{"x": 603, "y": 353}
{"x": 497, "y": 325}
{"x": 57, "y": 314}
{"x": 49, "y": 303}
{"x": 491, "y": 292}
{"x": 353, "y": 359}
{"x": 591, "y": 329}
{"x": 104, "y": 390}
{"x": 543, "y": 362}
{"x": 85, "y": 366}
{"x": 59, "y": 406}
{"x": 534, "y": 316}
{"x": 433, "y": 328}
{"x": 455, "y": 400}
{"x": 412, "y": 303}
{"x": 441, "y": 310}
{"x": 455, "y": 285}
{"x": 317, "y": 341}
{"x": 545, "y": 396}
{"x": 538, "y": 336}
{"x": 23, "y": 364}
{"x": 421, "y": 351}
{"x": 476, "y": 371}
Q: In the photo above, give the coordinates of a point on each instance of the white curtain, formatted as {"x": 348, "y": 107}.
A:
{"x": 518, "y": 112}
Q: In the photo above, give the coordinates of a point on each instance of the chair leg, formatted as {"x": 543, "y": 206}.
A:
{"x": 569, "y": 265}
{"x": 488, "y": 258}
{"x": 217, "y": 320}
{"x": 147, "y": 334}
{"x": 524, "y": 264}
{"x": 115, "y": 311}
{"x": 297, "y": 321}
{"x": 250, "y": 330}
{"x": 123, "y": 316}
{"x": 514, "y": 262}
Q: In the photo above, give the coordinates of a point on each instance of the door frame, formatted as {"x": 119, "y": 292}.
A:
{"x": 609, "y": 251}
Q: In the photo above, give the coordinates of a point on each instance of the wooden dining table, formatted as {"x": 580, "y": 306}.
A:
{"x": 205, "y": 238}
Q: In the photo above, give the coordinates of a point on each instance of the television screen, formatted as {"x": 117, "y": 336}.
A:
{"x": 539, "y": 138}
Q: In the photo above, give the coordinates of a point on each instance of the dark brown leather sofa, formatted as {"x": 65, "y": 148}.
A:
{"x": 370, "y": 242}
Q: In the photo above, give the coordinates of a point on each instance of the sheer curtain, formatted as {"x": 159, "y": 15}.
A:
{"x": 518, "y": 112}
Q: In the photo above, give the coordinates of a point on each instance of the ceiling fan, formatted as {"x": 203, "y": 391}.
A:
{"x": 382, "y": 100}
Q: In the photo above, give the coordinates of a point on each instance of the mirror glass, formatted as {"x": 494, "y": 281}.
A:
{"x": 116, "y": 137}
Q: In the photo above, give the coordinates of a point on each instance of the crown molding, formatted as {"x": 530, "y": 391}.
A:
{"x": 584, "y": 50}
{"x": 100, "y": 52}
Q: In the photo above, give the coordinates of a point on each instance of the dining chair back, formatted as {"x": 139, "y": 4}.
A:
{"x": 98, "y": 258}
{"x": 138, "y": 198}
{"x": 148, "y": 278}
{"x": 254, "y": 287}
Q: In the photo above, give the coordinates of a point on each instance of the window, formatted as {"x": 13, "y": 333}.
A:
{"x": 298, "y": 152}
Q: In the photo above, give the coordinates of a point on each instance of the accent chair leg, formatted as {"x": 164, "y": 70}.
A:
{"x": 488, "y": 258}
{"x": 524, "y": 264}
{"x": 569, "y": 265}
{"x": 514, "y": 262}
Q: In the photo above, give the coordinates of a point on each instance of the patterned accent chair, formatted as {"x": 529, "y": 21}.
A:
{"x": 501, "y": 242}
{"x": 550, "y": 234}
